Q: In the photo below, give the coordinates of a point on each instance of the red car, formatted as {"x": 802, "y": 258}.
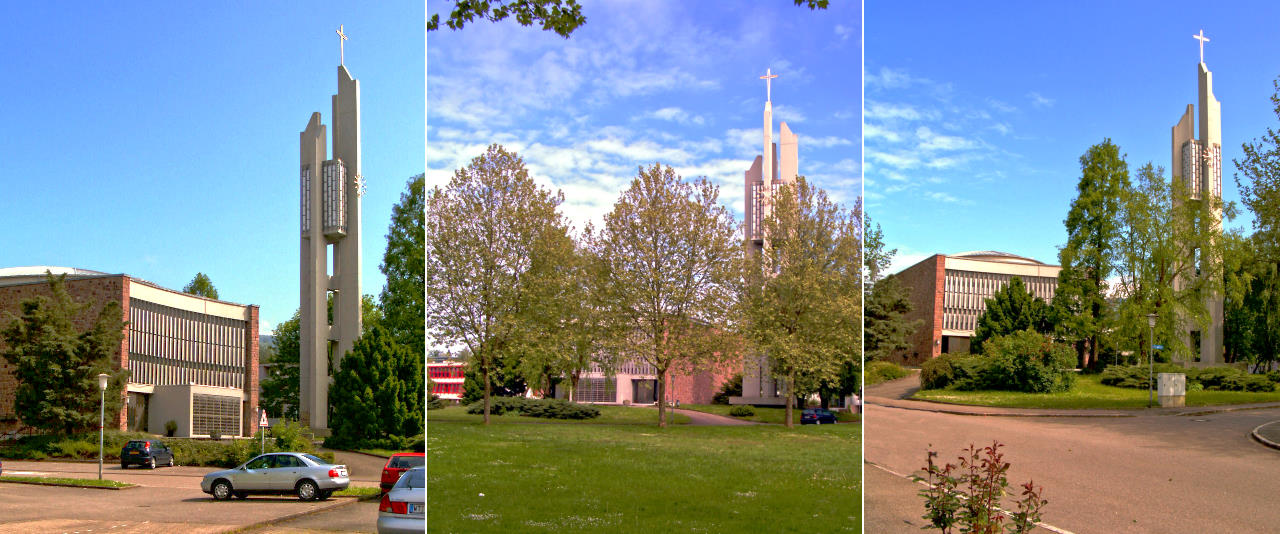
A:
{"x": 397, "y": 465}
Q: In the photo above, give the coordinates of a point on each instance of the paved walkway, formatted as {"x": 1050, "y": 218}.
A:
{"x": 709, "y": 419}
{"x": 897, "y": 393}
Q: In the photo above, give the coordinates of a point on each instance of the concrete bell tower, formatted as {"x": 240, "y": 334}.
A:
{"x": 330, "y": 220}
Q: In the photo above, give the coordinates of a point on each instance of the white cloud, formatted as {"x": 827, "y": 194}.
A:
{"x": 823, "y": 142}
{"x": 1000, "y": 106}
{"x": 886, "y": 111}
{"x": 788, "y": 114}
{"x": 931, "y": 141}
{"x": 675, "y": 114}
{"x": 1039, "y": 100}
{"x": 844, "y": 32}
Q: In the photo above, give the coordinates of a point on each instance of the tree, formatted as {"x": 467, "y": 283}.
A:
{"x": 887, "y": 300}
{"x": 57, "y": 365}
{"x": 378, "y": 393}
{"x": 404, "y": 296}
{"x": 280, "y": 389}
{"x": 560, "y": 16}
{"x": 201, "y": 286}
{"x": 1012, "y": 308}
{"x": 801, "y": 297}
{"x": 1092, "y": 228}
{"x": 1252, "y": 328}
{"x": 279, "y": 395}
{"x": 483, "y": 231}
{"x": 670, "y": 251}
{"x": 570, "y": 325}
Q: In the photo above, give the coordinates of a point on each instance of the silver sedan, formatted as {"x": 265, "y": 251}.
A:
{"x": 282, "y": 473}
{"x": 402, "y": 509}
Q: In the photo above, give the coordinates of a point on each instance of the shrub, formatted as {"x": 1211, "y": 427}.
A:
{"x": 1210, "y": 378}
{"x": 742, "y": 411}
{"x": 949, "y": 369}
{"x": 291, "y": 436}
{"x": 882, "y": 371}
{"x": 497, "y": 405}
{"x": 1030, "y": 362}
{"x": 435, "y": 403}
{"x": 731, "y": 388}
{"x": 968, "y": 494}
{"x": 548, "y": 408}
{"x": 170, "y": 428}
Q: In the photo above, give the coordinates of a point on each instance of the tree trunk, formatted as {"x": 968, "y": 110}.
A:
{"x": 486, "y": 394}
{"x": 573, "y": 387}
{"x": 662, "y": 400}
{"x": 824, "y": 399}
{"x": 791, "y": 399}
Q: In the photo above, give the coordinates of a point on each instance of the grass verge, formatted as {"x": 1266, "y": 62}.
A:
{"x": 362, "y": 493}
{"x": 609, "y": 415}
{"x": 73, "y": 482}
{"x": 580, "y": 478}
{"x": 1087, "y": 393}
{"x": 765, "y": 414}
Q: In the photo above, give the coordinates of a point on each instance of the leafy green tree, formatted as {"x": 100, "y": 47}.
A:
{"x": 403, "y": 299}
{"x": 57, "y": 364}
{"x": 670, "y": 250}
{"x": 1252, "y": 307}
{"x": 802, "y": 301}
{"x": 887, "y": 301}
{"x": 1012, "y": 308}
{"x": 201, "y": 286}
{"x": 483, "y": 231}
{"x": 1092, "y": 228}
{"x": 280, "y": 390}
{"x": 279, "y": 395}
{"x": 560, "y": 16}
{"x": 378, "y": 394}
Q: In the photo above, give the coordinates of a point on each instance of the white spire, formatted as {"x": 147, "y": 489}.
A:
{"x": 1200, "y": 37}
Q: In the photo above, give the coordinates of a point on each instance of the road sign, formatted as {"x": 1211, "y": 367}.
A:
{"x": 263, "y": 421}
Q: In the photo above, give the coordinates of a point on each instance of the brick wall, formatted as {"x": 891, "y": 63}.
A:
{"x": 924, "y": 283}
{"x": 251, "y": 415}
{"x": 699, "y": 387}
{"x": 98, "y": 291}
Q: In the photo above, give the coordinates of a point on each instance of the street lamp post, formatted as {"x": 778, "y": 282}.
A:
{"x": 1151, "y": 366}
{"x": 102, "y": 410}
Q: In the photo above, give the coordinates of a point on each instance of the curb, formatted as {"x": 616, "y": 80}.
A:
{"x": 1084, "y": 412}
{"x": 290, "y": 517}
{"x": 1001, "y": 414}
{"x": 34, "y": 483}
{"x": 371, "y": 455}
{"x": 1264, "y": 441}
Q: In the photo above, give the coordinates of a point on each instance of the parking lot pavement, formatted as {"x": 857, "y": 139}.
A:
{"x": 358, "y": 517}
{"x": 168, "y": 500}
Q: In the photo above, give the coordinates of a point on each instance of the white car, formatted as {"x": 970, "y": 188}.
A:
{"x": 281, "y": 473}
{"x": 403, "y": 509}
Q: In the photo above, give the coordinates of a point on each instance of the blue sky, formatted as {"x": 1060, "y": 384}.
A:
{"x": 976, "y": 116}
{"x": 644, "y": 82}
{"x": 160, "y": 139}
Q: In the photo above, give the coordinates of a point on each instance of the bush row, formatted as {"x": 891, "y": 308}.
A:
{"x": 881, "y": 371}
{"x": 1023, "y": 361}
{"x": 198, "y": 452}
{"x": 742, "y": 411}
{"x": 548, "y": 408}
{"x": 1209, "y": 378}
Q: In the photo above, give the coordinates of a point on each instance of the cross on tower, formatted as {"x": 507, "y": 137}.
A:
{"x": 768, "y": 83}
{"x": 1200, "y": 37}
{"x": 342, "y": 59}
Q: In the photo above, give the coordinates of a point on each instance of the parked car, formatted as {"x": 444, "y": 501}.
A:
{"x": 281, "y": 473}
{"x": 397, "y": 464}
{"x": 817, "y": 417}
{"x": 403, "y": 509}
{"x": 148, "y": 452}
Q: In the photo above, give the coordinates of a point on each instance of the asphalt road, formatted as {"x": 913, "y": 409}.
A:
{"x": 1150, "y": 473}
{"x": 169, "y": 500}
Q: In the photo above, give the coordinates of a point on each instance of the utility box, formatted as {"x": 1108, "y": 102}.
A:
{"x": 1171, "y": 389}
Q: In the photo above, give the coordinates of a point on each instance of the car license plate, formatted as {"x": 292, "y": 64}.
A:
{"x": 415, "y": 508}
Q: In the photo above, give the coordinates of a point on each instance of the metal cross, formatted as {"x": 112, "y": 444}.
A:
{"x": 342, "y": 59}
{"x": 768, "y": 83}
{"x": 1202, "y": 40}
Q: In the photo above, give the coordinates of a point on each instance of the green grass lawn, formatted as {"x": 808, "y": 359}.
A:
{"x": 613, "y": 415}
{"x": 583, "y": 478}
{"x": 363, "y": 493}
{"x": 764, "y": 415}
{"x": 1088, "y": 392}
{"x": 53, "y": 481}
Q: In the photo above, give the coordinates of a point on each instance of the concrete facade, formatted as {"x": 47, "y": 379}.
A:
{"x": 948, "y": 293}
{"x": 1197, "y": 164}
{"x": 172, "y": 339}
{"x": 330, "y": 217}
{"x": 636, "y": 383}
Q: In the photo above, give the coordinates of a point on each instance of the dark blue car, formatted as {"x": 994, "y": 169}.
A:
{"x": 817, "y": 417}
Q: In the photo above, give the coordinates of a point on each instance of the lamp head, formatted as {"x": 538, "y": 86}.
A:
{"x": 102, "y": 381}
{"x": 1151, "y": 320}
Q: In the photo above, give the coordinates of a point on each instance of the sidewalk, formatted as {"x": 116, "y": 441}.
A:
{"x": 897, "y": 393}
